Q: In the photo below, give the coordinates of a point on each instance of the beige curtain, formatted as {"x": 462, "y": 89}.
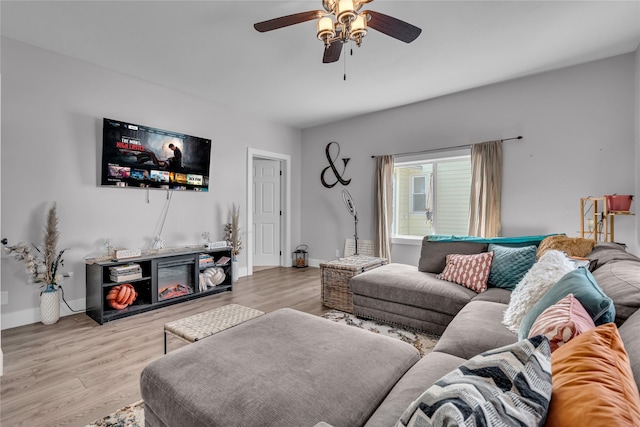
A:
{"x": 383, "y": 198}
{"x": 486, "y": 189}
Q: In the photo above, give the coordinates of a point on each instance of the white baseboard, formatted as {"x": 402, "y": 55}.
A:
{"x": 315, "y": 262}
{"x": 32, "y": 315}
{"x": 243, "y": 271}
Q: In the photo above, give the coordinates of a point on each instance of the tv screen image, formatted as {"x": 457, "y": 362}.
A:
{"x": 144, "y": 157}
{"x": 119, "y": 172}
{"x": 179, "y": 178}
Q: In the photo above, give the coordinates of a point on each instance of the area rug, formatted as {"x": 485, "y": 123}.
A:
{"x": 129, "y": 416}
{"x": 422, "y": 341}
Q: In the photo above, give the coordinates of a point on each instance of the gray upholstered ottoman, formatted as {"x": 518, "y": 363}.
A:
{"x": 286, "y": 368}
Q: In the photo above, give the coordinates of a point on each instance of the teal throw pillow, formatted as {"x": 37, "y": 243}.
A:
{"x": 510, "y": 265}
{"x": 581, "y": 283}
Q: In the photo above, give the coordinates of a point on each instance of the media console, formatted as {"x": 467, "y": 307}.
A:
{"x": 162, "y": 279}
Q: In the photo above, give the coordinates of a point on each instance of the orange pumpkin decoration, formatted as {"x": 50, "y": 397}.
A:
{"x": 121, "y": 296}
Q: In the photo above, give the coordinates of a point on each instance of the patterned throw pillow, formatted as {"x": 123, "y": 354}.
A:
{"x": 583, "y": 286}
{"x": 562, "y": 321}
{"x": 470, "y": 271}
{"x": 510, "y": 265}
{"x": 507, "y": 386}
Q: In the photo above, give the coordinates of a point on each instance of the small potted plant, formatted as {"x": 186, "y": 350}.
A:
{"x": 43, "y": 266}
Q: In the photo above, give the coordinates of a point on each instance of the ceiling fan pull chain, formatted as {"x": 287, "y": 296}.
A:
{"x": 345, "y": 64}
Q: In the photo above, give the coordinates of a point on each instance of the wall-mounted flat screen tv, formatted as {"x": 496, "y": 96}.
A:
{"x": 144, "y": 157}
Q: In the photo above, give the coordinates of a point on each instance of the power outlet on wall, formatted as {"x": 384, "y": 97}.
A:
{"x": 4, "y": 298}
{"x": 338, "y": 253}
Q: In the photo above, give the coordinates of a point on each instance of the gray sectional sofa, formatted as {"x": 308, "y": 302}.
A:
{"x": 412, "y": 296}
{"x": 289, "y": 368}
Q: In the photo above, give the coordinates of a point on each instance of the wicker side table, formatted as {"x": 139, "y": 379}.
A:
{"x": 335, "y": 279}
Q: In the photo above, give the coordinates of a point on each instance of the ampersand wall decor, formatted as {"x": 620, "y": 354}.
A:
{"x": 332, "y": 166}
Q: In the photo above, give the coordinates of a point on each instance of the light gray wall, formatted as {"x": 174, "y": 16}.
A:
{"x": 52, "y": 109}
{"x": 578, "y": 126}
{"x": 1, "y": 352}
{"x": 637, "y": 116}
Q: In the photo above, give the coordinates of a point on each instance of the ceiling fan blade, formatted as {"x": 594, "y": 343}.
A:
{"x": 392, "y": 27}
{"x": 285, "y": 21}
{"x": 332, "y": 52}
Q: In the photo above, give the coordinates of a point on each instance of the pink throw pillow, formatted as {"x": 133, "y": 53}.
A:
{"x": 470, "y": 271}
{"x": 562, "y": 321}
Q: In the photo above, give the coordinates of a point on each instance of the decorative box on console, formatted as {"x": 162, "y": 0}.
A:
{"x": 335, "y": 279}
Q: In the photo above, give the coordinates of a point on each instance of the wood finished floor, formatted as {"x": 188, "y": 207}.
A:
{"x": 76, "y": 371}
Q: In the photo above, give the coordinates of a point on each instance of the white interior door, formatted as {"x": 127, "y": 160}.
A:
{"x": 266, "y": 212}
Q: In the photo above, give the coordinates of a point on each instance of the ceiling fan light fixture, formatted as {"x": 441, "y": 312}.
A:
{"x": 358, "y": 29}
{"x": 326, "y": 29}
{"x": 345, "y": 11}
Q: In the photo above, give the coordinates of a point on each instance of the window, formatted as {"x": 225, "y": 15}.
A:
{"x": 431, "y": 194}
{"x": 419, "y": 194}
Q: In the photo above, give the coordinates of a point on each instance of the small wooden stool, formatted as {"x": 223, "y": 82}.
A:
{"x": 207, "y": 323}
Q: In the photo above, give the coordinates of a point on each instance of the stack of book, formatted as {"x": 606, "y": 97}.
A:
{"x": 124, "y": 273}
{"x": 224, "y": 260}
{"x": 206, "y": 260}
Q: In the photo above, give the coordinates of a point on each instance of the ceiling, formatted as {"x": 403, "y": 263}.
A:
{"x": 210, "y": 50}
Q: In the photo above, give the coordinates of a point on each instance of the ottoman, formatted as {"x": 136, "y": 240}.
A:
{"x": 286, "y": 368}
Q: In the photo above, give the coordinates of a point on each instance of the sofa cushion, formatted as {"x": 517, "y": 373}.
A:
{"x": 583, "y": 286}
{"x": 470, "y": 271}
{"x": 420, "y": 377}
{"x": 562, "y": 321}
{"x": 604, "y": 253}
{"x": 404, "y": 284}
{"x": 510, "y": 385}
{"x": 433, "y": 255}
{"x": 494, "y": 294}
{"x": 629, "y": 333}
{"x": 475, "y": 329}
{"x": 545, "y": 272}
{"x": 620, "y": 280}
{"x": 572, "y": 246}
{"x": 317, "y": 369}
{"x": 510, "y": 265}
{"x": 592, "y": 382}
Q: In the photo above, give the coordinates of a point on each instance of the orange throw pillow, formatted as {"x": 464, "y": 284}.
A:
{"x": 592, "y": 382}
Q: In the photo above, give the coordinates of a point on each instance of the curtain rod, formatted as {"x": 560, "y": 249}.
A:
{"x": 435, "y": 150}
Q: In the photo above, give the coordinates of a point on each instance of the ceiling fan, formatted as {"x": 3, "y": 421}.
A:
{"x": 341, "y": 21}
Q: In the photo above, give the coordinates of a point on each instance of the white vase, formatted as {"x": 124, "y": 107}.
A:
{"x": 234, "y": 271}
{"x": 50, "y": 305}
